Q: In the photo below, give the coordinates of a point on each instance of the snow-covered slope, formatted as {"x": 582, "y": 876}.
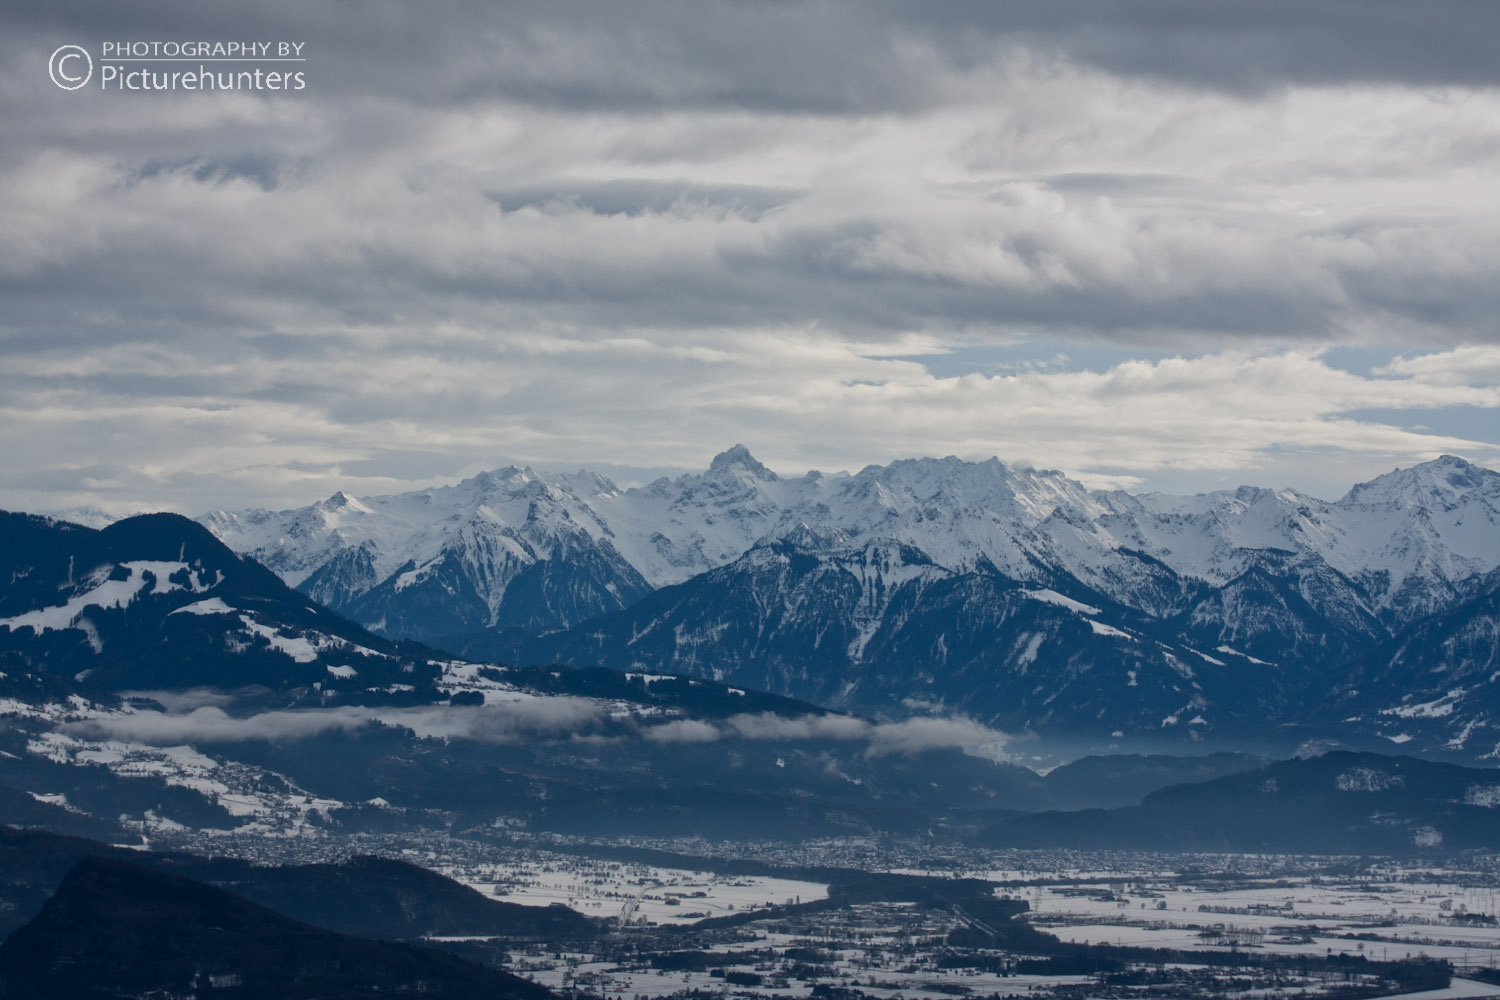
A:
{"x": 1409, "y": 538}
{"x": 505, "y": 547}
{"x": 1406, "y": 542}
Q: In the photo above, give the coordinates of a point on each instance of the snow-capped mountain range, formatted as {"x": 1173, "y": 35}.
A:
{"x": 1015, "y": 594}
{"x": 1407, "y": 538}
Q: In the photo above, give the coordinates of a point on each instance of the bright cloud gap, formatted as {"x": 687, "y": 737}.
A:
{"x": 799, "y": 401}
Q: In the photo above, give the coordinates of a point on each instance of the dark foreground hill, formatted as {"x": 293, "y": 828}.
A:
{"x": 116, "y": 930}
{"x": 364, "y": 896}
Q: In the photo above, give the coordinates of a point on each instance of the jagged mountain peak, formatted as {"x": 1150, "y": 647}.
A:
{"x": 508, "y": 477}
{"x": 89, "y": 517}
{"x": 527, "y": 483}
{"x": 991, "y": 475}
{"x": 1445, "y": 477}
{"x": 340, "y": 503}
{"x": 805, "y": 536}
{"x": 585, "y": 483}
{"x": 1266, "y": 494}
{"x": 739, "y": 460}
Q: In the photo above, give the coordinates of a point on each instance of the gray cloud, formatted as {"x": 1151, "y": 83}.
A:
{"x": 182, "y": 702}
{"x": 910, "y": 736}
{"x": 850, "y": 57}
{"x": 915, "y": 735}
{"x": 210, "y": 724}
{"x": 683, "y": 731}
{"x": 508, "y": 722}
{"x": 769, "y": 726}
{"x": 563, "y": 232}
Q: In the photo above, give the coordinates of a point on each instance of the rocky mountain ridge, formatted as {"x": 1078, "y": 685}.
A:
{"x": 1410, "y": 539}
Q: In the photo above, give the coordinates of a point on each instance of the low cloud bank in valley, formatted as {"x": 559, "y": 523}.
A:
{"x": 559, "y": 718}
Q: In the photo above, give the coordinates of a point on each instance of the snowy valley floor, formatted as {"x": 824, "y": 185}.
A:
{"x": 1281, "y": 920}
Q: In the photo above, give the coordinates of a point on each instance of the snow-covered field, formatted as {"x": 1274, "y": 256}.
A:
{"x": 639, "y": 893}
{"x": 1390, "y": 914}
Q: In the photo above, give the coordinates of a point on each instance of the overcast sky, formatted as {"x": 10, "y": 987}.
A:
{"x": 1156, "y": 245}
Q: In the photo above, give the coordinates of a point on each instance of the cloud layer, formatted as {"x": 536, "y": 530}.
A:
{"x": 584, "y": 234}
{"x": 528, "y": 720}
